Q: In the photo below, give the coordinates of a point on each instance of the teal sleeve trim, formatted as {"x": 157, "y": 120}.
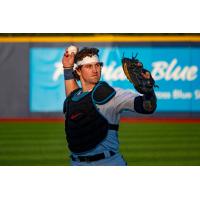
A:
{"x": 105, "y": 100}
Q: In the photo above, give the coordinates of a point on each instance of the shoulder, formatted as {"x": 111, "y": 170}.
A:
{"x": 102, "y": 93}
{"x": 74, "y": 92}
{"x": 125, "y": 92}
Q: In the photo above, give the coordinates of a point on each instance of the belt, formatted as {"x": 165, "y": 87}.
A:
{"x": 114, "y": 127}
{"x": 95, "y": 157}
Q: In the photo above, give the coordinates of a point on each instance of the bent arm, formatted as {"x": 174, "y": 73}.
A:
{"x": 127, "y": 100}
{"x": 70, "y": 81}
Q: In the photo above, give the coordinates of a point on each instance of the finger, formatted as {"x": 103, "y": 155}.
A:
{"x": 143, "y": 74}
{"x": 67, "y": 54}
{"x": 146, "y": 75}
{"x": 139, "y": 64}
{"x": 73, "y": 55}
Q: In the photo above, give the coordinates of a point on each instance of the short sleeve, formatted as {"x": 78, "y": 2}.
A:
{"x": 124, "y": 100}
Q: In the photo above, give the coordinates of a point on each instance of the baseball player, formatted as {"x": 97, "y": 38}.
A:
{"x": 92, "y": 111}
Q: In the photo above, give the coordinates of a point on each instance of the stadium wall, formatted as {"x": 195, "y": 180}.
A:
{"x": 18, "y": 66}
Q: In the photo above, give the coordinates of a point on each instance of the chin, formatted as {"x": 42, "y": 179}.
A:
{"x": 95, "y": 80}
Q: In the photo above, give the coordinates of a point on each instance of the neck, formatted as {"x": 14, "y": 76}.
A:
{"x": 87, "y": 87}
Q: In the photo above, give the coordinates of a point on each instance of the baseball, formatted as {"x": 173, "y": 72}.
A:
{"x": 72, "y": 49}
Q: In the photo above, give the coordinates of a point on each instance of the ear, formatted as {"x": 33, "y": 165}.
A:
{"x": 78, "y": 71}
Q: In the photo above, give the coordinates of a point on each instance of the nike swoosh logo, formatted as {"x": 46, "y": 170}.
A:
{"x": 73, "y": 116}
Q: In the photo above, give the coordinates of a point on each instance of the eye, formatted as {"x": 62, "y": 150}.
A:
{"x": 97, "y": 65}
{"x": 88, "y": 66}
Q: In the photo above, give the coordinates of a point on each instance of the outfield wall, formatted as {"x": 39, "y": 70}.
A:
{"x": 31, "y": 76}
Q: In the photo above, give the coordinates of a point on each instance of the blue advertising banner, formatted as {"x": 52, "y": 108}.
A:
{"x": 46, "y": 80}
{"x": 175, "y": 69}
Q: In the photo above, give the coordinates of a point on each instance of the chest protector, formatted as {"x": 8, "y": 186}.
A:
{"x": 85, "y": 127}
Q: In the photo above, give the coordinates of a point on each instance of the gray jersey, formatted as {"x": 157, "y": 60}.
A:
{"x": 123, "y": 100}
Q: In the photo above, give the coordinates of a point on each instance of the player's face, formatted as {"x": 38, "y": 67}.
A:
{"x": 90, "y": 73}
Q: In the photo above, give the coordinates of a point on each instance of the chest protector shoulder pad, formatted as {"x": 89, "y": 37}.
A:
{"x": 85, "y": 127}
{"x": 102, "y": 93}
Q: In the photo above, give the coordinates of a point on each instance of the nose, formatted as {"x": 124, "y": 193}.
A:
{"x": 94, "y": 68}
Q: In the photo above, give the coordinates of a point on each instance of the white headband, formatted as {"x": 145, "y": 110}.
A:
{"x": 86, "y": 60}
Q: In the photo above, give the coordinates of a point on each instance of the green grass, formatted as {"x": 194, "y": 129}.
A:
{"x": 33, "y": 144}
{"x": 160, "y": 144}
{"x": 44, "y": 144}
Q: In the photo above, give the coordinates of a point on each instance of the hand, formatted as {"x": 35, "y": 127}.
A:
{"x": 68, "y": 60}
{"x": 146, "y": 75}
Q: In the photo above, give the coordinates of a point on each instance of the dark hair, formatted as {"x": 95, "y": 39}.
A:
{"x": 86, "y": 52}
{"x": 82, "y": 54}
